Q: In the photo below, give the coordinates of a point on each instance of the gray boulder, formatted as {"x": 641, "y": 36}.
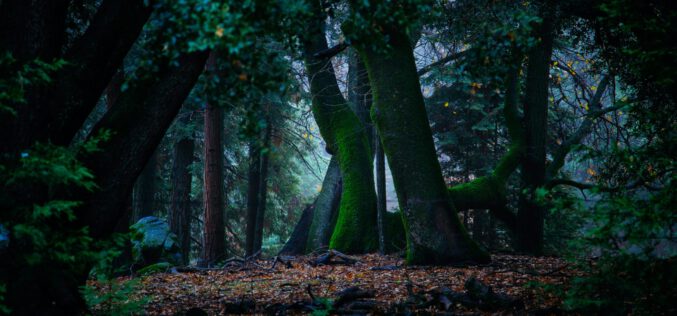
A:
{"x": 153, "y": 242}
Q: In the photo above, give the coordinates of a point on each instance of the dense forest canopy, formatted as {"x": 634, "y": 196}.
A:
{"x": 142, "y": 137}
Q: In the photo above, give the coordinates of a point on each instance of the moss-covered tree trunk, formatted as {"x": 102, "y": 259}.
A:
{"x": 345, "y": 136}
{"x": 434, "y": 232}
{"x": 530, "y": 216}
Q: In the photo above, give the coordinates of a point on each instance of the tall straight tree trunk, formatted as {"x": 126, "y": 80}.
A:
{"x": 180, "y": 207}
{"x": 253, "y": 191}
{"x": 380, "y": 192}
{"x": 214, "y": 244}
{"x": 263, "y": 187}
{"x": 530, "y": 215}
{"x": 145, "y": 189}
{"x": 346, "y": 138}
{"x": 434, "y": 233}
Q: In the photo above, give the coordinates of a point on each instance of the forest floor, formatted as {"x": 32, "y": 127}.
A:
{"x": 372, "y": 284}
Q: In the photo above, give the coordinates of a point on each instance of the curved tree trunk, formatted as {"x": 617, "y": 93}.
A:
{"x": 434, "y": 232}
{"x": 138, "y": 120}
{"x": 346, "y": 138}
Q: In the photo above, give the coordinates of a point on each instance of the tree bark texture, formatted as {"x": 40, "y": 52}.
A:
{"x": 214, "y": 244}
{"x": 326, "y": 208}
{"x": 530, "y": 215}
{"x": 137, "y": 123}
{"x": 434, "y": 232}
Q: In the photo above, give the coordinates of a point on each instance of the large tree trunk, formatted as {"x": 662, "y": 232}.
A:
{"x": 94, "y": 58}
{"x": 263, "y": 188}
{"x": 346, "y": 138}
{"x": 180, "y": 207}
{"x": 138, "y": 122}
{"x": 434, "y": 232}
{"x": 531, "y": 215}
{"x": 213, "y": 247}
{"x": 253, "y": 194}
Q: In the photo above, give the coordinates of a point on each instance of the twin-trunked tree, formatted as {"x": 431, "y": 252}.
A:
{"x": 434, "y": 234}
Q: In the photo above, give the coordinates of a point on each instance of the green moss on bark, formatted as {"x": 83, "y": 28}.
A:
{"x": 434, "y": 233}
{"x": 489, "y": 192}
{"x": 355, "y": 230}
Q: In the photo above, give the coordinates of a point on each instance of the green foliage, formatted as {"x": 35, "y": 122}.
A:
{"x": 369, "y": 21}
{"x": 629, "y": 225}
{"x": 114, "y": 297}
{"x": 41, "y": 232}
{"x": 19, "y": 76}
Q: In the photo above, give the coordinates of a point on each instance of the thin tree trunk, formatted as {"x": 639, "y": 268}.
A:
{"x": 380, "y": 192}
{"x": 180, "y": 208}
{"x": 253, "y": 194}
{"x": 263, "y": 188}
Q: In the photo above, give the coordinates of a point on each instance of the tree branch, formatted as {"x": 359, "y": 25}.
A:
{"x": 560, "y": 154}
{"x": 331, "y": 52}
{"x": 424, "y": 70}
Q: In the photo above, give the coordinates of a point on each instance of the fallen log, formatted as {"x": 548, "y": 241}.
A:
{"x": 351, "y": 294}
{"x": 333, "y": 257}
